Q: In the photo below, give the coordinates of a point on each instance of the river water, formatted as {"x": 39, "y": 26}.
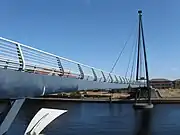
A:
{"x": 102, "y": 119}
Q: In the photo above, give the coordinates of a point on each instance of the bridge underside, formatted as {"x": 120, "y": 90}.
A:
{"x": 16, "y": 84}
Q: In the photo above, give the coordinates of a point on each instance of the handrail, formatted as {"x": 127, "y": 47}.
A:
{"x": 31, "y": 57}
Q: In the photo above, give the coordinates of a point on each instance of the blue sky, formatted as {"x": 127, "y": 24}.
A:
{"x": 94, "y": 31}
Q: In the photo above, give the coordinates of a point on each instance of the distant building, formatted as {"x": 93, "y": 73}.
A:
{"x": 161, "y": 83}
{"x": 176, "y": 84}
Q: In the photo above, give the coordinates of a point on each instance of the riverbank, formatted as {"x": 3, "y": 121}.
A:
{"x": 106, "y": 100}
{"x": 165, "y": 96}
{"x": 169, "y": 93}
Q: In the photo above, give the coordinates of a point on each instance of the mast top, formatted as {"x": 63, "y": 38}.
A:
{"x": 140, "y": 12}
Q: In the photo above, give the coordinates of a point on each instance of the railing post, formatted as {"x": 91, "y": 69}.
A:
{"x": 95, "y": 76}
{"x": 81, "y": 72}
{"x": 116, "y": 79}
{"x": 20, "y": 57}
{"x": 111, "y": 78}
{"x": 124, "y": 81}
{"x": 60, "y": 65}
{"x": 127, "y": 81}
{"x": 120, "y": 79}
{"x": 6, "y": 66}
{"x": 103, "y": 76}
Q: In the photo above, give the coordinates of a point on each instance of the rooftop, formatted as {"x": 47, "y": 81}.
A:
{"x": 160, "y": 79}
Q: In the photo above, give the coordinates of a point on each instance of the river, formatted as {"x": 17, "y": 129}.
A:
{"x": 102, "y": 119}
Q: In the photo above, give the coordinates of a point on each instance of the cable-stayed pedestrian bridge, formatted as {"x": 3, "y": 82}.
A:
{"x": 29, "y": 72}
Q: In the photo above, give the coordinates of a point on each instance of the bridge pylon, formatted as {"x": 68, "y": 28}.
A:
{"x": 143, "y": 92}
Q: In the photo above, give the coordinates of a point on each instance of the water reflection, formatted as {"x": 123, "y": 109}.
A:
{"x": 114, "y": 109}
{"x": 143, "y": 121}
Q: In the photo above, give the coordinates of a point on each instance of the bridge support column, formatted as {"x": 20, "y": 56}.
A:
{"x": 141, "y": 98}
{"x": 10, "y": 114}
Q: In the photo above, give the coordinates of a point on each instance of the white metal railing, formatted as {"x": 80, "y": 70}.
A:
{"x": 17, "y": 56}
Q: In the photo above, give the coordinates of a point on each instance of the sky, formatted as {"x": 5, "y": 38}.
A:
{"x": 93, "y": 32}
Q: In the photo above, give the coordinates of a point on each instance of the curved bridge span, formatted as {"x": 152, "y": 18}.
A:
{"x": 30, "y": 72}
